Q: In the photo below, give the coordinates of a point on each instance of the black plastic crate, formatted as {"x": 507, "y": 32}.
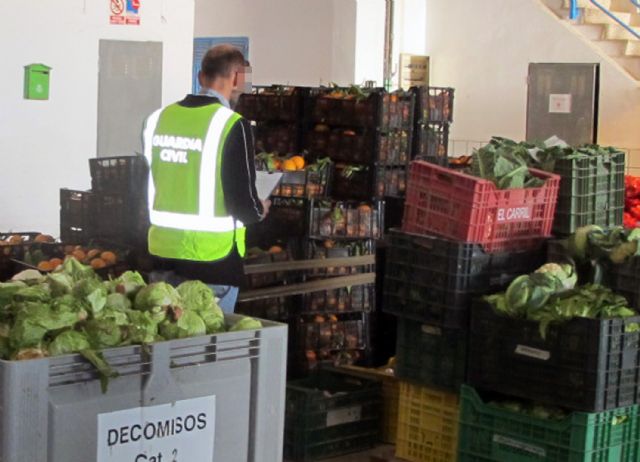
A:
{"x": 592, "y": 192}
{"x": 282, "y": 138}
{"x": 346, "y": 220}
{"x": 322, "y": 250}
{"x": 13, "y": 246}
{"x": 274, "y": 309}
{"x": 330, "y": 414}
{"x": 275, "y": 103}
{"x": 347, "y": 299}
{"x": 361, "y": 146}
{"x": 431, "y": 143}
{"x": 625, "y": 280}
{"x": 120, "y": 217}
{"x": 373, "y": 108}
{"x": 313, "y": 182}
{"x": 275, "y": 255}
{"x": 434, "y": 104}
{"x": 122, "y": 175}
{"x": 90, "y": 249}
{"x": 434, "y": 280}
{"x": 328, "y": 333}
{"x": 77, "y": 215}
{"x": 361, "y": 182}
{"x": 287, "y": 218}
{"x": 583, "y": 364}
{"x": 431, "y": 355}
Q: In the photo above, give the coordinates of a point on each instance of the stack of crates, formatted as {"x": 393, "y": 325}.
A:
{"x": 278, "y": 113}
{"x": 433, "y": 117}
{"x": 115, "y": 208}
{"x": 334, "y": 326}
{"x": 455, "y": 244}
{"x": 585, "y": 372}
{"x": 367, "y": 134}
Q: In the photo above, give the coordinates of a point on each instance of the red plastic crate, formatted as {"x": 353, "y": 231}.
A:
{"x": 466, "y": 208}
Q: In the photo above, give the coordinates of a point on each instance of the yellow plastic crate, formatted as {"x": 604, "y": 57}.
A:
{"x": 427, "y": 424}
{"x": 390, "y": 399}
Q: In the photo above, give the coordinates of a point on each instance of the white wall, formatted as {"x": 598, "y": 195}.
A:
{"x": 483, "y": 50}
{"x": 370, "y": 25}
{"x": 45, "y": 145}
{"x": 297, "y": 42}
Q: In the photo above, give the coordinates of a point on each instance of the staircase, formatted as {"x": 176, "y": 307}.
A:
{"x": 603, "y": 32}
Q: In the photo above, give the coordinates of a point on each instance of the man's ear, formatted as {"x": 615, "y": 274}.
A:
{"x": 201, "y": 79}
{"x": 235, "y": 80}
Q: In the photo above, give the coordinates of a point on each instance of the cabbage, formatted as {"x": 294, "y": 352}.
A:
{"x": 76, "y": 270}
{"x": 246, "y": 323}
{"x": 118, "y": 302}
{"x": 129, "y": 283}
{"x": 196, "y": 296}
{"x": 103, "y": 333}
{"x": 142, "y": 328}
{"x": 60, "y": 283}
{"x": 8, "y": 290}
{"x": 93, "y": 292}
{"x": 159, "y": 294}
{"x": 68, "y": 342}
{"x": 188, "y": 324}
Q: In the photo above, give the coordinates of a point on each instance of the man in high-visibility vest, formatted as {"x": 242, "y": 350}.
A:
{"x": 201, "y": 188}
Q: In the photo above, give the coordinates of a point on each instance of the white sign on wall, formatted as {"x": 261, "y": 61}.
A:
{"x": 180, "y": 432}
{"x": 560, "y": 104}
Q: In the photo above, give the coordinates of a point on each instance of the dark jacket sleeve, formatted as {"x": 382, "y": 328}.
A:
{"x": 239, "y": 175}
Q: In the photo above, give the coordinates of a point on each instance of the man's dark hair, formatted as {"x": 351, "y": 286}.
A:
{"x": 222, "y": 61}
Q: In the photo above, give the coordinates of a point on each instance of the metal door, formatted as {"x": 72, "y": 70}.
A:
{"x": 129, "y": 89}
{"x": 563, "y": 101}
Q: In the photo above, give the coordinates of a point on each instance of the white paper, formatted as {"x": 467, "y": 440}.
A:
{"x": 266, "y": 182}
{"x": 560, "y": 104}
{"x": 182, "y": 431}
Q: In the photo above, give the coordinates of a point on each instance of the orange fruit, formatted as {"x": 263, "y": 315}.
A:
{"x": 289, "y": 166}
{"x": 14, "y": 240}
{"x": 78, "y": 255}
{"x": 44, "y": 238}
{"x": 109, "y": 257}
{"x": 275, "y": 249}
{"x": 299, "y": 161}
{"x": 98, "y": 263}
{"x": 68, "y": 249}
{"x": 45, "y": 266}
{"x": 93, "y": 253}
{"x": 55, "y": 262}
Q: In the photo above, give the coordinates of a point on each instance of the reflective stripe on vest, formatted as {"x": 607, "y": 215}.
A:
{"x": 205, "y": 220}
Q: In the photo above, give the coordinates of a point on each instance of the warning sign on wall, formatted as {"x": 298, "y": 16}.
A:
{"x": 124, "y": 12}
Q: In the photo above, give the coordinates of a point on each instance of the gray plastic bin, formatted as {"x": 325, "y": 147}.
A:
{"x": 51, "y": 407}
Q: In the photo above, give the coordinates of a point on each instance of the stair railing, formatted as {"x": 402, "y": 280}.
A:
{"x": 575, "y": 12}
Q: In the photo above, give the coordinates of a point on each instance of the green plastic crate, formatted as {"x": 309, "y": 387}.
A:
{"x": 490, "y": 433}
{"x": 591, "y": 192}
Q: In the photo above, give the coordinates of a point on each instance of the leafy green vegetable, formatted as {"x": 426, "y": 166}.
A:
{"x": 68, "y": 342}
{"x": 76, "y": 270}
{"x": 549, "y": 295}
{"x": 103, "y": 333}
{"x": 93, "y": 292}
{"x": 129, "y": 283}
{"x": 159, "y": 294}
{"x": 246, "y": 323}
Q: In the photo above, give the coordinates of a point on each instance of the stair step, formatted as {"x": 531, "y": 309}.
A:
{"x": 613, "y": 48}
{"x": 600, "y": 17}
{"x": 591, "y": 31}
{"x": 588, "y": 5}
{"x": 632, "y": 48}
{"x": 617, "y": 32}
{"x": 632, "y": 65}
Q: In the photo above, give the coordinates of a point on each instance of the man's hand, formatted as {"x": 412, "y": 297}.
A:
{"x": 266, "y": 205}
